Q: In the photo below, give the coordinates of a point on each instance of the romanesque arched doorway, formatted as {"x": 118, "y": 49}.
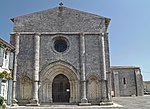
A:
{"x": 49, "y": 83}
{"x": 60, "y": 89}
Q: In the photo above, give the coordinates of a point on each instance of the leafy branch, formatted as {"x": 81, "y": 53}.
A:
{"x": 5, "y": 75}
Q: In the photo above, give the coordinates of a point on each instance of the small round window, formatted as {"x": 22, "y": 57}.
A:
{"x": 60, "y": 45}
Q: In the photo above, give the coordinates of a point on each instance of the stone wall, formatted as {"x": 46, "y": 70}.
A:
{"x": 59, "y": 19}
{"x": 93, "y": 55}
{"x": 126, "y": 81}
{"x": 48, "y": 54}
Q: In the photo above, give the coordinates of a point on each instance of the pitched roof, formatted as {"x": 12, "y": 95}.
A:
{"x": 124, "y": 67}
{"x": 3, "y": 42}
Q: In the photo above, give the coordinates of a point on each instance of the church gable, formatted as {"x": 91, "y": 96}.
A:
{"x": 64, "y": 44}
{"x": 60, "y": 19}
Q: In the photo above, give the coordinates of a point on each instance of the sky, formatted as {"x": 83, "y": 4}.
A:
{"x": 129, "y": 29}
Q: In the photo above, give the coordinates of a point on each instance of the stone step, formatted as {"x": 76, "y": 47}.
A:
{"x": 65, "y": 107}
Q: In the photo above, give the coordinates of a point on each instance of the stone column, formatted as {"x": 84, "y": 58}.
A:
{"x": 108, "y": 70}
{"x": 116, "y": 84}
{"x": 15, "y": 67}
{"x": 105, "y": 74}
{"x": 71, "y": 91}
{"x": 83, "y": 89}
{"x": 76, "y": 91}
{"x": 103, "y": 56}
{"x": 50, "y": 91}
{"x": 35, "y": 100}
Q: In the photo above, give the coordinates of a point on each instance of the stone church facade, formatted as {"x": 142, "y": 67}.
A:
{"x": 62, "y": 56}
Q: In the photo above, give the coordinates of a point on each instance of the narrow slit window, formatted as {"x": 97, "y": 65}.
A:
{"x": 124, "y": 81}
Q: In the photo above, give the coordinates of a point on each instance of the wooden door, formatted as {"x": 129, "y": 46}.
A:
{"x": 61, "y": 89}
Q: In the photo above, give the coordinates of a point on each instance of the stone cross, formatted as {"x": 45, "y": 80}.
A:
{"x": 61, "y": 4}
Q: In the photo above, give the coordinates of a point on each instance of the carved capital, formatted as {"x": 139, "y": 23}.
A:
{"x": 17, "y": 34}
{"x": 37, "y": 34}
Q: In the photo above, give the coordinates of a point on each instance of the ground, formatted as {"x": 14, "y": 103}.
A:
{"x": 141, "y": 102}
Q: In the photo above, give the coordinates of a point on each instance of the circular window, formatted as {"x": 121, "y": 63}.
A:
{"x": 60, "y": 45}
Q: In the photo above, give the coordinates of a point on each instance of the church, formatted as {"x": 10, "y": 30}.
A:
{"x": 62, "y": 56}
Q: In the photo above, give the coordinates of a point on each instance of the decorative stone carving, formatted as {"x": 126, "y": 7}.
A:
{"x": 93, "y": 88}
{"x": 26, "y": 88}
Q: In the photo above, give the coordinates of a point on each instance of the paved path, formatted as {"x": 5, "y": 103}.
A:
{"x": 141, "y": 102}
{"x": 119, "y": 103}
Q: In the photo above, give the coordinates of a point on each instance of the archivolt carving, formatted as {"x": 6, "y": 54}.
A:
{"x": 59, "y": 66}
{"x": 50, "y": 72}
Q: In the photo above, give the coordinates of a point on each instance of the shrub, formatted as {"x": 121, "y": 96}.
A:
{"x": 1, "y": 100}
{"x": 2, "y": 103}
{"x": 5, "y": 75}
